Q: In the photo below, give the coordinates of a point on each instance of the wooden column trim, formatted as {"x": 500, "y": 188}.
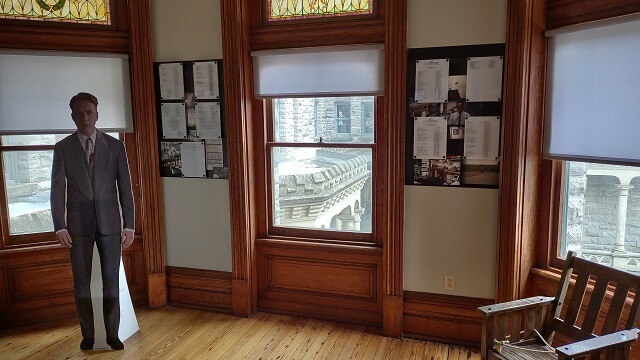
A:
{"x": 393, "y": 145}
{"x": 520, "y": 177}
{"x": 144, "y": 114}
{"x": 238, "y": 89}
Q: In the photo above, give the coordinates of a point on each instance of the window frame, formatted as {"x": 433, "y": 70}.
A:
{"x": 18, "y": 240}
{"x": 554, "y": 177}
{"x": 70, "y": 24}
{"x": 41, "y": 238}
{"x": 313, "y": 235}
{"x": 265, "y": 21}
{"x": 339, "y": 133}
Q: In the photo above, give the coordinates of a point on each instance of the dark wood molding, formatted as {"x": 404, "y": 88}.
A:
{"x": 443, "y": 318}
{"x": 319, "y": 34}
{"x": 36, "y": 284}
{"x": 50, "y": 35}
{"x": 572, "y": 12}
{"x": 330, "y": 282}
{"x": 142, "y": 90}
{"x": 520, "y": 175}
{"x": 392, "y": 145}
{"x": 238, "y": 87}
{"x": 199, "y": 289}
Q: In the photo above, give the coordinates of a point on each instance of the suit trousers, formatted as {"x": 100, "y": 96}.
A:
{"x": 110, "y": 250}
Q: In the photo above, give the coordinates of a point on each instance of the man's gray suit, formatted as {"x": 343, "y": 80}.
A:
{"x": 86, "y": 200}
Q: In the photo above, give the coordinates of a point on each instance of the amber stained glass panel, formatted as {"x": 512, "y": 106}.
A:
{"x": 75, "y": 11}
{"x": 305, "y": 9}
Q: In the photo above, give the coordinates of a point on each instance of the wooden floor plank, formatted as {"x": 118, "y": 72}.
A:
{"x": 175, "y": 333}
{"x": 341, "y": 341}
{"x": 406, "y": 349}
{"x": 272, "y": 338}
{"x": 306, "y": 339}
{"x": 361, "y": 346}
{"x": 286, "y": 341}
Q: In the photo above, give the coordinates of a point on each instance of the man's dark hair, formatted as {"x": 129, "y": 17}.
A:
{"x": 83, "y": 96}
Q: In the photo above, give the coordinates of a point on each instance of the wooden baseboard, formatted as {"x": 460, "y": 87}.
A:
{"x": 199, "y": 289}
{"x": 443, "y": 318}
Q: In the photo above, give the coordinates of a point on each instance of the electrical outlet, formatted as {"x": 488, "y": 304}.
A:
{"x": 449, "y": 283}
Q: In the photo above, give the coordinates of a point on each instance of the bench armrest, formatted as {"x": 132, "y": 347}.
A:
{"x": 599, "y": 343}
{"x": 515, "y": 305}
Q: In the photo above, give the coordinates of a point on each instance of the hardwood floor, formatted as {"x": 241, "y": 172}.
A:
{"x": 177, "y": 333}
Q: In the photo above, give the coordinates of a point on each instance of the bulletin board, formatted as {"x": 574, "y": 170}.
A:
{"x": 454, "y": 116}
{"x": 191, "y": 126}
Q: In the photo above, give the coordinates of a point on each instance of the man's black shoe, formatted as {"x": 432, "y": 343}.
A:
{"x": 115, "y": 343}
{"x": 86, "y": 344}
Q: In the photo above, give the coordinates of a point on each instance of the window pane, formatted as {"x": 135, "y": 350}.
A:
{"x": 28, "y": 182}
{"x": 75, "y": 11}
{"x": 320, "y": 188}
{"x": 331, "y": 120}
{"x": 302, "y": 9}
{"x": 602, "y": 214}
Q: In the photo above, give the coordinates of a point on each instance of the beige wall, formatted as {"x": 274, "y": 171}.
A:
{"x": 447, "y": 231}
{"x": 197, "y": 224}
{"x": 452, "y": 231}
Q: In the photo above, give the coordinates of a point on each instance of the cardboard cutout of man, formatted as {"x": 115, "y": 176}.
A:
{"x": 90, "y": 183}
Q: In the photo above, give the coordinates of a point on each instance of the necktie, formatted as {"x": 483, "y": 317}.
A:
{"x": 88, "y": 147}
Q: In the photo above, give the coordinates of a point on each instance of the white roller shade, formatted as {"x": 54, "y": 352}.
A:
{"x": 593, "y": 94}
{"x": 35, "y": 89}
{"x": 323, "y": 71}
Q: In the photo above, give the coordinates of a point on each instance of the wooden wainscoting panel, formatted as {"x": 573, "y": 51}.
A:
{"x": 29, "y": 282}
{"x": 331, "y": 282}
{"x": 36, "y": 284}
{"x": 135, "y": 271}
{"x": 26, "y": 299}
{"x": 330, "y": 278}
{"x": 443, "y": 318}
{"x": 199, "y": 289}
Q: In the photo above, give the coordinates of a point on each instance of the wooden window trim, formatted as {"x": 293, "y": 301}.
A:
{"x": 529, "y": 239}
{"x": 131, "y": 37}
{"x": 51, "y": 35}
{"x": 117, "y": 21}
{"x": 244, "y": 116}
{"x": 264, "y": 13}
{"x": 22, "y": 240}
{"x": 311, "y": 235}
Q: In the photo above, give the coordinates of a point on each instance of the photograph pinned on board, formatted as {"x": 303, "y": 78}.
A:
{"x": 437, "y": 172}
{"x": 456, "y": 132}
{"x": 446, "y": 170}
{"x": 457, "y": 112}
{"x": 426, "y": 109}
{"x": 481, "y": 172}
{"x": 457, "y": 87}
{"x": 190, "y": 106}
{"x": 170, "y": 159}
{"x": 219, "y": 173}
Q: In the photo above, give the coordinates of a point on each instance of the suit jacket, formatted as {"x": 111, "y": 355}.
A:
{"x": 88, "y": 205}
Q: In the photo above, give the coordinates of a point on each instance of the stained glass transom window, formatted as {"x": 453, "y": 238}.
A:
{"x": 305, "y": 9}
{"x": 76, "y": 11}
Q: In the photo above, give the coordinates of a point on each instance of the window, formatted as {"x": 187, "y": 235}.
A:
{"x": 343, "y": 118}
{"x": 74, "y": 11}
{"x": 601, "y": 217}
{"x": 596, "y": 198}
{"x": 367, "y": 117}
{"x": 26, "y": 161}
{"x": 26, "y": 165}
{"x": 304, "y": 9}
{"x": 320, "y": 179}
